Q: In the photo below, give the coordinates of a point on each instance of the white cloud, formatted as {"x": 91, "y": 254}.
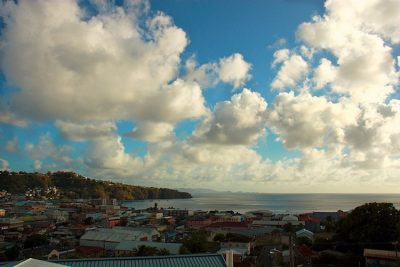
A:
{"x": 324, "y": 73}
{"x": 293, "y": 69}
{"x": 365, "y": 66}
{"x": 12, "y": 145}
{"x": 107, "y": 156}
{"x": 4, "y": 165}
{"x": 152, "y": 132}
{"x": 306, "y": 121}
{"x": 106, "y": 67}
{"x": 234, "y": 70}
{"x": 8, "y": 117}
{"x": 37, "y": 165}
{"x": 205, "y": 75}
{"x": 280, "y": 56}
{"x": 238, "y": 121}
{"x": 85, "y": 131}
{"x": 47, "y": 149}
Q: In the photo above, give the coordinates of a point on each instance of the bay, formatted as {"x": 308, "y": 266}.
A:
{"x": 277, "y": 203}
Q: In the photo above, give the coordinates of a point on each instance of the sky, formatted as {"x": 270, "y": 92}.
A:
{"x": 257, "y": 96}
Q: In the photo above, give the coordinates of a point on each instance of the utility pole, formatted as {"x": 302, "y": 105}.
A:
{"x": 291, "y": 254}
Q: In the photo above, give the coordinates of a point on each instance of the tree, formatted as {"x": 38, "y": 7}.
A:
{"x": 147, "y": 251}
{"x": 288, "y": 228}
{"x": 35, "y": 241}
{"x": 89, "y": 221}
{"x": 163, "y": 252}
{"x": 371, "y": 222}
{"x": 197, "y": 243}
{"x": 183, "y": 250}
{"x": 12, "y": 253}
{"x": 219, "y": 237}
{"x": 329, "y": 223}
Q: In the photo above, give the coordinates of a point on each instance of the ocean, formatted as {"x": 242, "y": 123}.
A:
{"x": 277, "y": 203}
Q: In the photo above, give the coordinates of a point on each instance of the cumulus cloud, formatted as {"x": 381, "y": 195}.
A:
{"x": 152, "y": 132}
{"x": 85, "y": 131}
{"x": 47, "y": 149}
{"x": 8, "y": 117}
{"x": 306, "y": 121}
{"x": 238, "y": 121}
{"x": 365, "y": 66}
{"x": 107, "y": 155}
{"x": 293, "y": 68}
{"x": 12, "y": 145}
{"x": 325, "y": 73}
{"x": 103, "y": 67}
{"x": 37, "y": 165}
{"x": 4, "y": 165}
{"x": 234, "y": 70}
{"x": 124, "y": 63}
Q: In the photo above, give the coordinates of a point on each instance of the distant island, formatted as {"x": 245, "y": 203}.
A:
{"x": 70, "y": 185}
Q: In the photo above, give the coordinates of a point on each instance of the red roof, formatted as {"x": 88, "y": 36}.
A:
{"x": 308, "y": 218}
{"x": 304, "y": 251}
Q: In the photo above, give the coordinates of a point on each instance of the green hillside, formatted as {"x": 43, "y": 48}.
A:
{"x": 72, "y": 185}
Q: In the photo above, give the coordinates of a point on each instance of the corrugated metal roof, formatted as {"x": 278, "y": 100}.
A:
{"x": 193, "y": 260}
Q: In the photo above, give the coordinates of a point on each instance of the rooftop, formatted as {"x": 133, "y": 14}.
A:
{"x": 192, "y": 260}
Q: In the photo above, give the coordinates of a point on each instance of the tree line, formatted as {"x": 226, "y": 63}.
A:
{"x": 72, "y": 186}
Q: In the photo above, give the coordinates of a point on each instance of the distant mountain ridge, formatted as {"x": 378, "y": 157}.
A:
{"x": 71, "y": 185}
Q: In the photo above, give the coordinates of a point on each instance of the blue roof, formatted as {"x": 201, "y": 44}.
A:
{"x": 192, "y": 260}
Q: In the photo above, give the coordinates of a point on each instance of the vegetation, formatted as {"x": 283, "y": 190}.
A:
{"x": 36, "y": 241}
{"x": 370, "y": 223}
{"x": 197, "y": 243}
{"x": 72, "y": 186}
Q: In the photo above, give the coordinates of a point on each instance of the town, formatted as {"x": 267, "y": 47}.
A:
{"x": 34, "y": 227}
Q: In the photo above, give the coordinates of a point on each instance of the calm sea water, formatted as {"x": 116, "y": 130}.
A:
{"x": 277, "y": 203}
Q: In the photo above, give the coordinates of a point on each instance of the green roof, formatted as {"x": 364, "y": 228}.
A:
{"x": 192, "y": 260}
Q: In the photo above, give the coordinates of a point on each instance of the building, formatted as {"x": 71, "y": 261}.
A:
{"x": 381, "y": 258}
{"x": 108, "y": 239}
{"x": 192, "y": 260}
{"x": 177, "y": 212}
{"x": 10, "y": 223}
{"x": 226, "y": 226}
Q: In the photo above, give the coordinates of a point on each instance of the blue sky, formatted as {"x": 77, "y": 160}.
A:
{"x": 268, "y": 96}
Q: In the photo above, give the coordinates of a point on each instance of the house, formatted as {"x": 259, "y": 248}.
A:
{"x": 10, "y": 223}
{"x": 227, "y": 226}
{"x": 198, "y": 223}
{"x": 263, "y": 223}
{"x": 311, "y": 223}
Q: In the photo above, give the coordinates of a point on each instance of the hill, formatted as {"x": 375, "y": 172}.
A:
{"x": 72, "y": 185}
